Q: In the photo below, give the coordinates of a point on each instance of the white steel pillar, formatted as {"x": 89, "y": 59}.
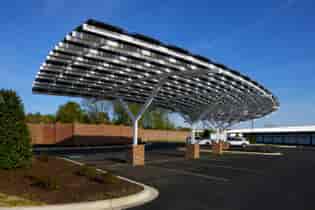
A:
{"x": 218, "y": 134}
{"x": 193, "y": 121}
{"x": 193, "y": 136}
{"x": 135, "y": 132}
{"x": 135, "y": 118}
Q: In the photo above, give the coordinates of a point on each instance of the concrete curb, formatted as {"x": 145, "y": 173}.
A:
{"x": 146, "y": 195}
{"x": 239, "y": 152}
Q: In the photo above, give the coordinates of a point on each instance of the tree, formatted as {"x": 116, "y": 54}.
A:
{"x": 15, "y": 141}
{"x": 159, "y": 119}
{"x": 69, "y": 113}
{"x": 152, "y": 118}
{"x": 169, "y": 125}
{"x": 120, "y": 115}
{"x": 206, "y": 133}
{"x": 96, "y": 111}
{"x": 33, "y": 118}
{"x": 180, "y": 128}
{"x": 39, "y": 118}
{"x": 102, "y": 117}
{"x": 48, "y": 118}
{"x": 1, "y": 99}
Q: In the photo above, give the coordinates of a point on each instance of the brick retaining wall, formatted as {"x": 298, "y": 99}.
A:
{"x": 86, "y": 134}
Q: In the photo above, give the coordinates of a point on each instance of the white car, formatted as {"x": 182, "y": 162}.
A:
{"x": 200, "y": 141}
{"x": 237, "y": 141}
{"x": 204, "y": 142}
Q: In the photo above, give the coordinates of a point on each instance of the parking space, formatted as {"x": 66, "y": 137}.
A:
{"x": 220, "y": 182}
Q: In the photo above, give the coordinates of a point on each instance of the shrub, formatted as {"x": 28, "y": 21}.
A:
{"x": 87, "y": 171}
{"x": 206, "y": 133}
{"x": 109, "y": 178}
{"x": 15, "y": 143}
{"x": 44, "y": 182}
{"x": 252, "y": 139}
{"x": 92, "y": 174}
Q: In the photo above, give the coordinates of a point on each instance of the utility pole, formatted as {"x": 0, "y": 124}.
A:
{"x": 253, "y": 123}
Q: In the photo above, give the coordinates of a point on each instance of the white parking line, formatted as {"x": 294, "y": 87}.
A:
{"x": 238, "y": 152}
{"x": 250, "y": 153}
{"x": 116, "y": 165}
{"x": 165, "y": 160}
{"x": 215, "y": 160}
{"x": 231, "y": 168}
{"x": 212, "y": 178}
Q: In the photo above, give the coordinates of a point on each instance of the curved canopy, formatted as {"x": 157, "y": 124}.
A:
{"x": 101, "y": 61}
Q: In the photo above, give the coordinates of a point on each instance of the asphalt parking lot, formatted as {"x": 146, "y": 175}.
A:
{"x": 225, "y": 182}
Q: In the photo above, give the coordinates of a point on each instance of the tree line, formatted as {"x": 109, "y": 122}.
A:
{"x": 90, "y": 111}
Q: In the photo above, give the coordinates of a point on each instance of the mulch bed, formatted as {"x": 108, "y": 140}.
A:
{"x": 69, "y": 185}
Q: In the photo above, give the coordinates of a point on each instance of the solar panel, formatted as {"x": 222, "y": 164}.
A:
{"x": 101, "y": 61}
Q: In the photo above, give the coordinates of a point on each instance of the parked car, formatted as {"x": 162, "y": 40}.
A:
{"x": 205, "y": 142}
{"x": 237, "y": 141}
{"x": 200, "y": 140}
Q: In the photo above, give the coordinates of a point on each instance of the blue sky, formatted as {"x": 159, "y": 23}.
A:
{"x": 271, "y": 41}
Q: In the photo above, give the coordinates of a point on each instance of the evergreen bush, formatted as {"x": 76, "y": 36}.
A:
{"x": 15, "y": 142}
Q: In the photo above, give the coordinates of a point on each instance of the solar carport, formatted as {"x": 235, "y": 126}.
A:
{"x": 101, "y": 61}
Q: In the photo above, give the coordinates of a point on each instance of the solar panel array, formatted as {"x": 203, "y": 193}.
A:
{"x": 100, "y": 61}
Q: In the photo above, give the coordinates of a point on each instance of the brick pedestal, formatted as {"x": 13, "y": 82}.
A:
{"x": 217, "y": 147}
{"x": 136, "y": 155}
{"x": 192, "y": 151}
{"x": 226, "y": 146}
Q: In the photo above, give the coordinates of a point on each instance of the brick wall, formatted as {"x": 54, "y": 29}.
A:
{"x": 88, "y": 130}
{"x": 36, "y": 133}
{"x": 86, "y": 134}
{"x": 64, "y": 132}
{"x": 159, "y": 135}
{"x": 50, "y": 133}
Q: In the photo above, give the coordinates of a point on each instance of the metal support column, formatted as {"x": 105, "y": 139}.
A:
{"x": 135, "y": 132}
{"x": 135, "y": 118}
{"x": 193, "y": 121}
{"x": 193, "y": 130}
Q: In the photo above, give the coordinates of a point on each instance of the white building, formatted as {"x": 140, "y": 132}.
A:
{"x": 297, "y": 135}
